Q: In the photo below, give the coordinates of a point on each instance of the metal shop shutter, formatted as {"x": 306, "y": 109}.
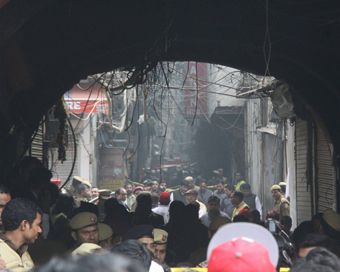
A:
{"x": 325, "y": 173}
{"x": 37, "y": 146}
{"x": 303, "y": 197}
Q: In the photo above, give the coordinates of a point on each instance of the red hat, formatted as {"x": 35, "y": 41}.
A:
{"x": 164, "y": 197}
{"x": 241, "y": 254}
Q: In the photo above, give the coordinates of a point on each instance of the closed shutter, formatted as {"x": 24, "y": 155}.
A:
{"x": 37, "y": 146}
{"x": 326, "y": 184}
{"x": 303, "y": 197}
{"x": 62, "y": 170}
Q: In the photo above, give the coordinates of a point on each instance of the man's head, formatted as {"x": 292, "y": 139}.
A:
{"x": 134, "y": 250}
{"x": 164, "y": 198}
{"x": 137, "y": 190}
{"x": 22, "y": 217}
{"x": 39, "y": 179}
{"x": 246, "y": 189}
{"x": 143, "y": 233}
{"x": 163, "y": 185}
{"x": 229, "y": 189}
{"x": 104, "y": 194}
{"x": 144, "y": 202}
{"x": 276, "y": 192}
{"x": 310, "y": 241}
{"x": 330, "y": 224}
{"x": 105, "y": 235}
{"x": 220, "y": 170}
{"x": 283, "y": 187}
{"x": 191, "y": 184}
{"x": 5, "y": 197}
{"x": 184, "y": 186}
{"x": 155, "y": 185}
{"x": 286, "y": 222}
{"x": 94, "y": 192}
{"x": 238, "y": 176}
{"x": 214, "y": 205}
{"x": 160, "y": 239}
{"x": 83, "y": 190}
{"x": 26, "y": 165}
{"x": 203, "y": 185}
{"x": 318, "y": 259}
{"x": 121, "y": 194}
{"x": 220, "y": 186}
{"x": 148, "y": 185}
{"x": 128, "y": 187}
{"x": 236, "y": 198}
{"x": 216, "y": 174}
{"x": 76, "y": 182}
{"x": 191, "y": 195}
{"x": 84, "y": 227}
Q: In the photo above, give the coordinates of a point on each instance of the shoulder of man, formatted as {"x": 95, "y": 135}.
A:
{"x": 285, "y": 200}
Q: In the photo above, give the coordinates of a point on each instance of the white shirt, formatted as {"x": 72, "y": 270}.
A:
{"x": 163, "y": 210}
{"x": 202, "y": 210}
{"x": 155, "y": 267}
{"x": 258, "y": 206}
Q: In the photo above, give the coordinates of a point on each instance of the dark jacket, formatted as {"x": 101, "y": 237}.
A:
{"x": 179, "y": 196}
{"x": 203, "y": 197}
{"x": 250, "y": 200}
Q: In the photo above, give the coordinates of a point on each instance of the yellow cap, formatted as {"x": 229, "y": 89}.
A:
{"x": 191, "y": 191}
{"x": 82, "y": 220}
{"x": 83, "y": 181}
{"x": 282, "y": 184}
{"x": 188, "y": 178}
{"x": 105, "y": 231}
{"x": 275, "y": 187}
{"x": 160, "y": 236}
{"x": 86, "y": 182}
{"x": 332, "y": 218}
{"x": 104, "y": 193}
{"x": 85, "y": 249}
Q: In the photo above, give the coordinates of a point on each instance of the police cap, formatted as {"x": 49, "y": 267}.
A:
{"x": 161, "y": 236}
{"x": 275, "y": 187}
{"x": 105, "y": 231}
{"x": 82, "y": 220}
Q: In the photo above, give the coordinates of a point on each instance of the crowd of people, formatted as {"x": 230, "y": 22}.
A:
{"x": 145, "y": 226}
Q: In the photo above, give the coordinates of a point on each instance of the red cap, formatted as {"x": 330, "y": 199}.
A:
{"x": 164, "y": 197}
{"x": 241, "y": 254}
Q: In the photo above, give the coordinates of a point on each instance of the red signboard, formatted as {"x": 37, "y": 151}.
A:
{"x": 87, "y": 98}
{"x": 196, "y": 102}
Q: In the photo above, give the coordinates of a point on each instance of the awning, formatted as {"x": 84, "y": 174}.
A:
{"x": 86, "y": 98}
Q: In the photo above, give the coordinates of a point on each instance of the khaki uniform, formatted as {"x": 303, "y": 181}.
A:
{"x": 282, "y": 206}
{"x": 71, "y": 191}
{"x": 16, "y": 259}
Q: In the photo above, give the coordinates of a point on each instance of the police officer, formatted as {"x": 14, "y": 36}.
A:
{"x": 84, "y": 227}
{"x": 161, "y": 239}
{"x": 281, "y": 204}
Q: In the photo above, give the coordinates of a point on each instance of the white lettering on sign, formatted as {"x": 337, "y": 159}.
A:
{"x": 192, "y": 102}
{"x": 193, "y": 70}
{"x": 73, "y": 105}
{"x": 77, "y": 105}
{"x": 191, "y": 112}
{"x": 70, "y": 105}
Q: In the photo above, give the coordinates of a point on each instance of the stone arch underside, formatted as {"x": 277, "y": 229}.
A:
{"x": 60, "y": 42}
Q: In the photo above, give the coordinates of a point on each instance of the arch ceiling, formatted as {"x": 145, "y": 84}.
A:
{"x": 47, "y": 46}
